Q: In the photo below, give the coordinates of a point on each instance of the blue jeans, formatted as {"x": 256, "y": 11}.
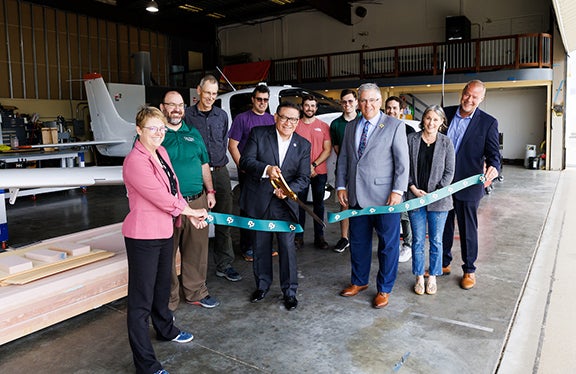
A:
{"x": 436, "y": 221}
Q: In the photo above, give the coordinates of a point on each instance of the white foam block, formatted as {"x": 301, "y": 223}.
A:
{"x": 71, "y": 249}
{"x": 14, "y": 264}
{"x": 45, "y": 255}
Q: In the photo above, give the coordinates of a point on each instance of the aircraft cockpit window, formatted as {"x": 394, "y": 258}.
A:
{"x": 240, "y": 103}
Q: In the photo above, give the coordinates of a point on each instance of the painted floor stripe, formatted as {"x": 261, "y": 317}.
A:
{"x": 454, "y": 322}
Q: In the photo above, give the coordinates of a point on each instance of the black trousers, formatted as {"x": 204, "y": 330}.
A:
{"x": 149, "y": 270}
{"x": 466, "y": 213}
{"x": 262, "y": 244}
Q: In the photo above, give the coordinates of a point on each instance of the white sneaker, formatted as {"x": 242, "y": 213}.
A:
{"x": 405, "y": 253}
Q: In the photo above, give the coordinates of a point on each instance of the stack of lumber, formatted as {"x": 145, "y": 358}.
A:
{"x": 48, "y": 293}
{"x": 29, "y": 264}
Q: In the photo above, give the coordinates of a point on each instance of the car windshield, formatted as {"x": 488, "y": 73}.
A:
{"x": 325, "y": 104}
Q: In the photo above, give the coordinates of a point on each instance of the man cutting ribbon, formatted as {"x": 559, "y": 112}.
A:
{"x": 272, "y": 153}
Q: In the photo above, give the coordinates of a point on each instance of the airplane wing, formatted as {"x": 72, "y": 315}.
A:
{"x": 74, "y": 144}
{"x": 60, "y": 177}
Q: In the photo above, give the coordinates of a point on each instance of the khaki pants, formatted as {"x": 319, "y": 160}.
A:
{"x": 193, "y": 246}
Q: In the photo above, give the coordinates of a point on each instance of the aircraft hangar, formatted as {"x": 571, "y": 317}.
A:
{"x": 516, "y": 320}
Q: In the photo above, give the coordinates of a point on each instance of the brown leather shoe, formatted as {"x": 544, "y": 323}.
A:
{"x": 445, "y": 271}
{"x": 380, "y": 300}
{"x": 468, "y": 281}
{"x": 352, "y": 290}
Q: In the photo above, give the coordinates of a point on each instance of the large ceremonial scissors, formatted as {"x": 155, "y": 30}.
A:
{"x": 281, "y": 184}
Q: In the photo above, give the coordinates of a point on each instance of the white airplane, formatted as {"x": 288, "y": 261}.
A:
{"x": 114, "y": 136}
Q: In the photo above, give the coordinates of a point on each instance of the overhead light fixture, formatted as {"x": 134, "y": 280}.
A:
{"x": 190, "y": 8}
{"x": 282, "y": 2}
{"x": 152, "y": 7}
{"x": 216, "y": 15}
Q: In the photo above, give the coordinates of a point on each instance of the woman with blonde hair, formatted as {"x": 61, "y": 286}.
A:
{"x": 155, "y": 204}
{"x": 431, "y": 168}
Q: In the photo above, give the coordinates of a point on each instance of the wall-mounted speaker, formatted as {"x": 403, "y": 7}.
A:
{"x": 361, "y": 11}
{"x": 458, "y": 28}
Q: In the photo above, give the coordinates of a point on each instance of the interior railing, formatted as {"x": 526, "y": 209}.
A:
{"x": 477, "y": 55}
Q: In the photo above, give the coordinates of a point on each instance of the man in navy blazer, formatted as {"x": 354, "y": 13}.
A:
{"x": 272, "y": 151}
{"x": 474, "y": 134}
{"x": 373, "y": 166}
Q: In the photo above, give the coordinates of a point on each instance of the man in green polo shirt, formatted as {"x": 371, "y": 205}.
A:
{"x": 349, "y": 102}
{"x": 190, "y": 159}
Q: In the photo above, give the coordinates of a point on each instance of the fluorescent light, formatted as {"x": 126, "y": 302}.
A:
{"x": 190, "y": 8}
{"x": 216, "y": 15}
{"x": 152, "y": 7}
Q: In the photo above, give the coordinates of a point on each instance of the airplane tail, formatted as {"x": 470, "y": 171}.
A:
{"x": 106, "y": 123}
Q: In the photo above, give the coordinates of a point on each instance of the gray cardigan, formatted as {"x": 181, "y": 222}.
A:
{"x": 442, "y": 170}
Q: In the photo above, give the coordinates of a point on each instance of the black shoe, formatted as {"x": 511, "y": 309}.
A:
{"x": 290, "y": 302}
{"x": 341, "y": 246}
{"x": 320, "y": 243}
{"x": 299, "y": 243}
{"x": 258, "y": 295}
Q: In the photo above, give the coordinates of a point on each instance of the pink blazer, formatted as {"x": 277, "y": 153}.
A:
{"x": 152, "y": 206}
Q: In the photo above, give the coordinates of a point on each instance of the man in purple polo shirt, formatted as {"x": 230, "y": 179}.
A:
{"x": 237, "y": 137}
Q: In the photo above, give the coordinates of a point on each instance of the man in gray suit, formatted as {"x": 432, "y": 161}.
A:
{"x": 373, "y": 167}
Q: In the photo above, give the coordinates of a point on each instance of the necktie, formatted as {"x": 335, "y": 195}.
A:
{"x": 363, "y": 139}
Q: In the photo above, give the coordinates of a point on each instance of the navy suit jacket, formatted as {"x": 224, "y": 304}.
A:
{"x": 262, "y": 149}
{"x": 479, "y": 143}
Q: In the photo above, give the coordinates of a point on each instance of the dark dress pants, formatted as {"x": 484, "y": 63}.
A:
{"x": 318, "y": 185}
{"x": 262, "y": 265}
{"x": 245, "y": 235}
{"x": 149, "y": 270}
{"x": 466, "y": 213}
{"x": 223, "y": 251}
{"x": 387, "y": 228}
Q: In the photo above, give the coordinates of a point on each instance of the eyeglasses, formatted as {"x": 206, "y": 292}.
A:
{"x": 155, "y": 129}
{"x": 261, "y": 99}
{"x": 291, "y": 120}
{"x": 209, "y": 94}
{"x": 344, "y": 102}
{"x": 371, "y": 100}
{"x": 174, "y": 105}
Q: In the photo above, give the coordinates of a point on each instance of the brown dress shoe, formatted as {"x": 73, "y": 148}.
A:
{"x": 468, "y": 281}
{"x": 445, "y": 271}
{"x": 381, "y": 300}
{"x": 352, "y": 290}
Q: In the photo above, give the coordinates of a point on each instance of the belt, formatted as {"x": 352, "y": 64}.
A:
{"x": 193, "y": 197}
{"x": 214, "y": 168}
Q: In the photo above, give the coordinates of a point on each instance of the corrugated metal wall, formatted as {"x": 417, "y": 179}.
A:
{"x": 46, "y": 51}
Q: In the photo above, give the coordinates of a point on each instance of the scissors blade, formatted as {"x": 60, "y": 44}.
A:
{"x": 281, "y": 184}
{"x": 310, "y": 212}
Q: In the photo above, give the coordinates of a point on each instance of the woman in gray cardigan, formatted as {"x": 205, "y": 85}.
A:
{"x": 431, "y": 168}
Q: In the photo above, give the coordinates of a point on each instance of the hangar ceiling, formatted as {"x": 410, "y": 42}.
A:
{"x": 189, "y": 15}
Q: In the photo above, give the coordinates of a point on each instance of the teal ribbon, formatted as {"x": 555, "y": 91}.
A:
{"x": 252, "y": 223}
{"x": 410, "y": 204}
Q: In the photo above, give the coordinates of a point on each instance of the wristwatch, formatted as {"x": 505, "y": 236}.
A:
{"x": 314, "y": 164}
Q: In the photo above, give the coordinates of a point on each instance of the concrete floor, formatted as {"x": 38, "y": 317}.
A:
{"x": 455, "y": 331}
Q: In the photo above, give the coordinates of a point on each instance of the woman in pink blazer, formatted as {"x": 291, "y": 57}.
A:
{"x": 155, "y": 203}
